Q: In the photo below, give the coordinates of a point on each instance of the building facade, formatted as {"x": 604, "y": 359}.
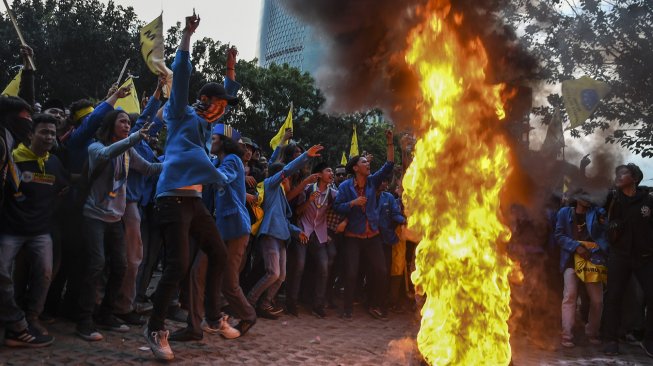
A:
{"x": 286, "y": 39}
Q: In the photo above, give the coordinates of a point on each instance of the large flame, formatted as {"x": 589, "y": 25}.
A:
{"x": 451, "y": 192}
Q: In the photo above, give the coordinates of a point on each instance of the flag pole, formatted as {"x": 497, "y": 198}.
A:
{"x": 124, "y": 67}
{"x": 20, "y": 34}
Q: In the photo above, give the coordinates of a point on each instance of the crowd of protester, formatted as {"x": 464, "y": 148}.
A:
{"x": 93, "y": 204}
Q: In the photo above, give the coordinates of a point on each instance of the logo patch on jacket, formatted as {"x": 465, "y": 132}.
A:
{"x": 646, "y": 211}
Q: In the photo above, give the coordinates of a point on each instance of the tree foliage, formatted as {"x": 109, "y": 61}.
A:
{"x": 81, "y": 45}
{"x": 608, "y": 40}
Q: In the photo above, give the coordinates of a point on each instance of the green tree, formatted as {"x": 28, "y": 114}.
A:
{"x": 607, "y": 40}
{"x": 79, "y": 45}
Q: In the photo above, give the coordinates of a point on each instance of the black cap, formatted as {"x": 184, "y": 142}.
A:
{"x": 217, "y": 90}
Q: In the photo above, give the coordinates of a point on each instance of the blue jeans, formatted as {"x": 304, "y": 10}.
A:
{"x": 38, "y": 250}
{"x": 273, "y": 252}
{"x": 102, "y": 240}
{"x": 324, "y": 254}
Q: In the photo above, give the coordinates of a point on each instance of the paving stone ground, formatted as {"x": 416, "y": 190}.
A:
{"x": 294, "y": 341}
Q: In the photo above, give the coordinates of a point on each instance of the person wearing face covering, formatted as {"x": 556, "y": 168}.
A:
{"x": 180, "y": 209}
{"x": 15, "y": 126}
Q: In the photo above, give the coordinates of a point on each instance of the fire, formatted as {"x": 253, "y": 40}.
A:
{"x": 451, "y": 191}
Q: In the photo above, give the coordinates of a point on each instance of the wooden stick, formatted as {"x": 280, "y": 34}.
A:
{"x": 122, "y": 71}
{"x": 20, "y": 35}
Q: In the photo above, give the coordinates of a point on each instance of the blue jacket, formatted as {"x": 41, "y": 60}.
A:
{"x": 277, "y": 212}
{"x": 81, "y": 138}
{"x": 564, "y": 232}
{"x": 356, "y": 218}
{"x": 139, "y": 187}
{"x": 389, "y": 216}
{"x": 230, "y": 211}
{"x": 187, "y": 162}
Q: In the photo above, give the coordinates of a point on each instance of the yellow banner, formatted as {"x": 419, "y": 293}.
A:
{"x": 14, "y": 85}
{"x": 353, "y": 148}
{"x": 343, "y": 160}
{"x": 130, "y": 103}
{"x": 276, "y": 140}
{"x": 582, "y": 97}
{"x": 152, "y": 50}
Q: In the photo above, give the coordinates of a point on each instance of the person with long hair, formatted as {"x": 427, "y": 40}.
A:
{"x": 109, "y": 160}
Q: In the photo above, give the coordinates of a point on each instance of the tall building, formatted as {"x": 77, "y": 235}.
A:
{"x": 286, "y": 39}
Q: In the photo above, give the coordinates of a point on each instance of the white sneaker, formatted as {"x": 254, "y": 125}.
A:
{"x": 158, "y": 342}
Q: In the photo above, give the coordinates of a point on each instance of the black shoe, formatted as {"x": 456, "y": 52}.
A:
{"x": 47, "y": 318}
{"x": 291, "y": 308}
{"x": 244, "y": 326}
{"x": 377, "y": 313}
{"x": 131, "y": 318}
{"x": 184, "y": 335}
{"x": 36, "y": 325}
{"x": 319, "y": 312}
{"x": 346, "y": 315}
{"x": 276, "y": 310}
{"x": 88, "y": 332}
{"x": 611, "y": 348}
{"x": 266, "y": 313}
{"x": 648, "y": 347}
{"x": 27, "y": 338}
{"x": 177, "y": 314}
{"x": 110, "y": 322}
{"x": 332, "y": 305}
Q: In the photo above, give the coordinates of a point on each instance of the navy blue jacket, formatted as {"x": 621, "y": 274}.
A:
{"x": 564, "y": 232}
{"x": 389, "y": 217}
{"x": 356, "y": 218}
{"x": 139, "y": 187}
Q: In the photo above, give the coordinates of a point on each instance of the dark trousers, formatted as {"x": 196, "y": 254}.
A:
{"x": 371, "y": 249}
{"x": 152, "y": 244}
{"x": 182, "y": 218}
{"x": 620, "y": 270}
{"x": 323, "y": 255}
{"x": 68, "y": 266}
{"x": 105, "y": 243}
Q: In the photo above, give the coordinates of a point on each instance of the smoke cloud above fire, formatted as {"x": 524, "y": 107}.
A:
{"x": 365, "y": 67}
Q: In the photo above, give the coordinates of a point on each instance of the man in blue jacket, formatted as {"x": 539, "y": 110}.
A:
{"x": 357, "y": 200}
{"x": 576, "y": 226}
{"x": 179, "y": 192}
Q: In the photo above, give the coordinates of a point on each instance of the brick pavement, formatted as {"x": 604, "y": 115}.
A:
{"x": 287, "y": 341}
{"x": 295, "y": 341}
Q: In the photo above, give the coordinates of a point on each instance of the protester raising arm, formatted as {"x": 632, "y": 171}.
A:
{"x": 386, "y": 170}
{"x": 181, "y": 68}
{"x": 151, "y": 109}
{"x": 89, "y": 126}
{"x": 26, "y": 88}
{"x": 294, "y": 165}
{"x": 284, "y": 140}
{"x": 98, "y": 152}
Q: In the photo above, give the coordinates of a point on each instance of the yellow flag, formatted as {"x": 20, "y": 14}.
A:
{"x": 581, "y": 97}
{"x": 343, "y": 160}
{"x": 14, "y": 85}
{"x": 152, "y": 50}
{"x": 276, "y": 140}
{"x": 353, "y": 148}
{"x": 130, "y": 103}
{"x": 566, "y": 182}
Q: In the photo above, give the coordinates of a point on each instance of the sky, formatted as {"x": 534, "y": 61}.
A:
{"x": 234, "y": 22}
{"x": 238, "y": 23}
